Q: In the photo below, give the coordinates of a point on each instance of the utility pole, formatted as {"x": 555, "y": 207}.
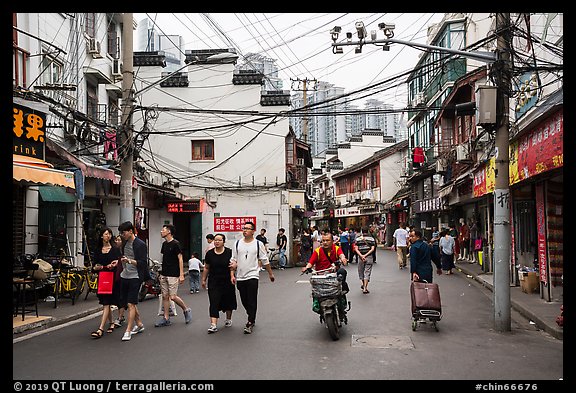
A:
{"x": 304, "y": 91}
{"x": 126, "y": 142}
{"x": 501, "y": 293}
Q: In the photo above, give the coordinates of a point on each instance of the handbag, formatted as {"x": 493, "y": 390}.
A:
{"x": 105, "y": 283}
{"x": 478, "y": 245}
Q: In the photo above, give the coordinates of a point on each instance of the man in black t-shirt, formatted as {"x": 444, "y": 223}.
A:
{"x": 281, "y": 242}
{"x": 263, "y": 239}
{"x": 172, "y": 275}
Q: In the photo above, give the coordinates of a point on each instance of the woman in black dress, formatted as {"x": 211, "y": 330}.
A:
{"x": 221, "y": 291}
{"x": 106, "y": 259}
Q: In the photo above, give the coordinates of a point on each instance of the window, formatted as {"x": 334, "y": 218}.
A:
{"x": 113, "y": 111}
{"x": 113, "y": 41}
{"x": 203, "y": 150}
{"x": 91, "y": 24}
{"x": 92, "y": 102}
{"x": 52, "y": 71}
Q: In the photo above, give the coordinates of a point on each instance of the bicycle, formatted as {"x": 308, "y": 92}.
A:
{"x": 89, "y": 280}
{"x": 274, "y": 257}
{"x": 67, "y": 282}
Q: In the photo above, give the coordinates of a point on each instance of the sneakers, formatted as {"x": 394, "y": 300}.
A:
{"x": 228, "y": 323}
{"x": 248, "y": 328}
{"x": 212, "y": 329}
{"x": 119, "y": 322}
{"x": 137, "y": 329}
{"x": 188, "y": 315}
{"x": 127, "y": 336}
{"x": 163, "y": 322}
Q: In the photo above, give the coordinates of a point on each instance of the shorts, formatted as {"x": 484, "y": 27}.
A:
{"x": 130, "y": 288}
{"x": 169, "y": 285}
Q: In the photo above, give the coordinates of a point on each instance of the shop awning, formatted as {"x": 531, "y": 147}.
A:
{"x": 37, "y": 174}
{"x": 55, "y": 194}
{"x": 87, "y": 169}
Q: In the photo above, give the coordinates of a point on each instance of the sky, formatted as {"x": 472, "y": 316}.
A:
{"x": 302, "y": 44}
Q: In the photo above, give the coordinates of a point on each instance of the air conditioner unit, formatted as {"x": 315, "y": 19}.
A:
{"x": 440, "y": 166}
{"x": 461, "y": 152}
{"x": 116, "y": 68}
{"x": 419, "y": 99}
{"x": 94, "y": 47}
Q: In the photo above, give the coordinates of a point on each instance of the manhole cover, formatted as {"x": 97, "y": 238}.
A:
{"x": 376, "y": 341}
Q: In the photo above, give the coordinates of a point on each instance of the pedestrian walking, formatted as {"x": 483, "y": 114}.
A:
{"x": 106, "y": 258}
{"x": 221, "y": 292}
{"x": 316, "y": 238}
{"x": 352, "y": 239}
{"x": 122, "y": 306}
{"x": 365, "y": 246}
{"x": 373, "y": 233}
{"x": 421, "y": 258}
{"x": 262, "y": 237}
{"x": 195, "y": 265}
{"x": 447, "y": 250}
{"x": 172, "y": 275}
{"x": 281, "y": 242}
{"x": 305, "y": 246}
{"x": 245, "y": 271}
{"x": 134, "y": 272}
{"x": 344, "y": 241}
{"x": 400, "y": 239}
{"x": 463, "y": 240}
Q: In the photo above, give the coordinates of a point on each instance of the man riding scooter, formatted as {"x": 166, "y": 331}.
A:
{"x": 327, "y": 255}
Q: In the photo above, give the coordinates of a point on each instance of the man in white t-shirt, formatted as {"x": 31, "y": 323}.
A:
{"x": 244, "y": 271}
{"x": 401, "y": 245}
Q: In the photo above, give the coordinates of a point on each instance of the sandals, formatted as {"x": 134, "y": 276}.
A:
{"x": 111, "y": 328}
{"x": 365, "y": 291}
{"x": 98, "y": 333}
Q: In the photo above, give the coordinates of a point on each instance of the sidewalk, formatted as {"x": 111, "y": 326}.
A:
{"x": 542, "y": 313}
{"x": 529, "y": 305}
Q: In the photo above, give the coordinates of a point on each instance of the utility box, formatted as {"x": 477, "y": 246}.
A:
{"x": 485, "y": 105}
{"x": 529, "y": 282}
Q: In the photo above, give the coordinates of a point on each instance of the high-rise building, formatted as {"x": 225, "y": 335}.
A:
{"x": 150, "y": 39}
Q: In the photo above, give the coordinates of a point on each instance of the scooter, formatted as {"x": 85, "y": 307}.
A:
{"x": 329, "y": 301}
{"x": 151, "y": 287}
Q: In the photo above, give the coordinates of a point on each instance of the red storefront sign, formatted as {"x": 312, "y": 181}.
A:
{"x": 542, "y": 149}
{"x": 541, "y": 232}
{"x": 231, "y": 224}
{"x": 479, "y": 186}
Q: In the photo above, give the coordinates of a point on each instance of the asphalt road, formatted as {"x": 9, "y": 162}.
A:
{"x": 289, "y": 343}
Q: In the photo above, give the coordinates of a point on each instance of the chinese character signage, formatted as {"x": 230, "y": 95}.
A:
{"x": 484, "y": 179}
{"x": 183, "y": 207}
{"x": 538, "y": 151}
{"x": 231, "y": 224}
{"x": 29, "y": 131}
{"x": 541, "y": 232}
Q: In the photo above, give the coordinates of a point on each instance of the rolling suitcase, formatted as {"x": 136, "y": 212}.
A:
{"x": 426, "y": 304}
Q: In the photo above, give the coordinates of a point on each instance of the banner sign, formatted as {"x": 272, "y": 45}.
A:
{"x": 541, "y": 232}
{"x": 538, "y": 151}
{"x": 231, "y": 224}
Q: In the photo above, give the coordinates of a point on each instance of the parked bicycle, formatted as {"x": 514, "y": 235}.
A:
{"x": 274, "y": 257}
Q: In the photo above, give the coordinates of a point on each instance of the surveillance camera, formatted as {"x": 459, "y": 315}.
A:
{"x": 349, "y": 36}
{"x": 386, "y": 26}
{"x": 336, "y": 30}
{"x": 373, "y": 35}
{"x": 361, "y": 30}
